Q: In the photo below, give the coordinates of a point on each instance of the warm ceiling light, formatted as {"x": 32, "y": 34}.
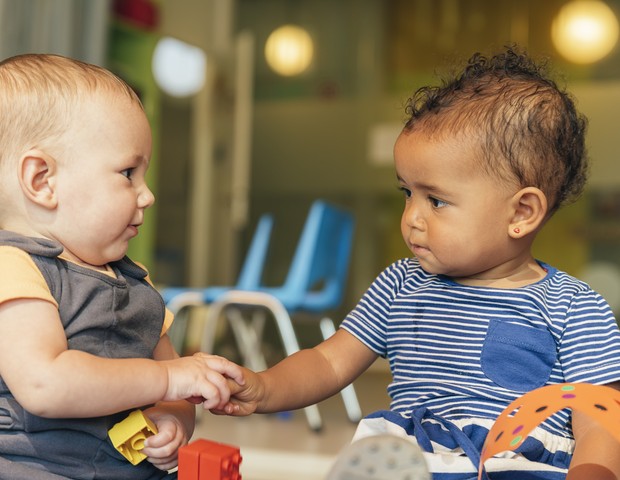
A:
{"x": 584, "y": 31}
{"x": 179, "y": 68}
{"x": 289, "y": 50}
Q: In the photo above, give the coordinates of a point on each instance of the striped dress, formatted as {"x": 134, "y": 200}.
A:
{"x": 459, "y": 355}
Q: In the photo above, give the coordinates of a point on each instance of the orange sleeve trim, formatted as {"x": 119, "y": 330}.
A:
{"x": 168, "y": 319}
{"x": 21, "y": 278}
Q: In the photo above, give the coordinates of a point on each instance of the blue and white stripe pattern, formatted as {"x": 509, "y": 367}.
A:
{"x": 467, "y": 352}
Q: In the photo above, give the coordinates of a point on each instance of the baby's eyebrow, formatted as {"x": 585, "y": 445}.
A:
{"x": 432, "y": 189}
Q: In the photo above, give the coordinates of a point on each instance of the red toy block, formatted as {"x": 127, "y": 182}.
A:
{"x": 208, "y": 460}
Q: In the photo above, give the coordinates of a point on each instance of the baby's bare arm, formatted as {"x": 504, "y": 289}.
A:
{"x": 184, "y": 411}
{"x": 304, "y": 378}
{"x": 597, "y": 452}
{"x": 174, "y": 420}
{"x": 50, "y": 380}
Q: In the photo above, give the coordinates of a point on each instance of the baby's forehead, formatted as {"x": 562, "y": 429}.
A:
{"x": 102, "y": 99}
{"x": 452, "y": 127}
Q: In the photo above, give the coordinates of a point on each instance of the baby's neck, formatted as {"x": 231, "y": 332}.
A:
{"x": 21, "y": 227}
{"x": 99, "y": 268}
{"x": 522, "y": 276}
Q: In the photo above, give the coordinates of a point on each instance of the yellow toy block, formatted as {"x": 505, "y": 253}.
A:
{"x": 128, "y": 436}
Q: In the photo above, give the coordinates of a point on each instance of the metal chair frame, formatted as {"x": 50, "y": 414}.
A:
{"x": 314, "y": 284}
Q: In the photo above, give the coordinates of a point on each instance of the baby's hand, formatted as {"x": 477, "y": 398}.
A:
{"x": 162, "y": 448}
{"x": 202, "y": 376}
{"x": 244, "y": 397}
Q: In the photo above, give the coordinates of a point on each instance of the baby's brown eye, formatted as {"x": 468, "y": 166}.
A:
{"x": 406, "y": 191}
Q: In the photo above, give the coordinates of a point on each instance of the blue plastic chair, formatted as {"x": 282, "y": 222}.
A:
{"x": 178, "y": 298}
{"x": 314, "y": 284}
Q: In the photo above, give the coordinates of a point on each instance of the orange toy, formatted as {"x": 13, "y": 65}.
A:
{"x": 207, "y": 460}
{"x": 528, "y": 411}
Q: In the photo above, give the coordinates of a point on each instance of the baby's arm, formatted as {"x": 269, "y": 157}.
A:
{"x": 50, "y": 380}
{"x": 304, "y": 378}
{"x": 174, "y": 420}
{"x": 597, "y": 452}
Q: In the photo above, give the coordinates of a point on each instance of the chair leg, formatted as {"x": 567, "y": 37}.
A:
{"x": 291, "y": 345}
{"x": 248, "y": 335}
{"x": 214, "y": 311}
{"x": 283, "y": 322}
{"x": 349, "y": 396}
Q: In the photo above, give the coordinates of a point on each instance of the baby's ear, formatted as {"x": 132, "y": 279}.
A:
{"x": 37, "y": 178}
{"x": 529, "y": 212}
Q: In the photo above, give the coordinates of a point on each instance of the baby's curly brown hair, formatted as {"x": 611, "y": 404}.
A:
{"x": 529, "y": 130}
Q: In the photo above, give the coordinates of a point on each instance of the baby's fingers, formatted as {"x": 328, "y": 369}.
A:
{"x": 161, "y": 449}
{"x": 234, "y": 387}
{"x": 228, "y": 409}
{"x": 214, "y": 391}
{"x": 223, "y": 366}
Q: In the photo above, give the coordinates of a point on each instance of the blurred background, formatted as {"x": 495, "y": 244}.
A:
{"x": 250, "y": 117}
{"x": 319, "y": 120}
{"x": 266, "y": 105}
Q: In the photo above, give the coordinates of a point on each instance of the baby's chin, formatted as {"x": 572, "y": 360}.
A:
{"x": 430, "y": 267}
{"x": 445, "y": 271}
{"x": 101, "y": 261}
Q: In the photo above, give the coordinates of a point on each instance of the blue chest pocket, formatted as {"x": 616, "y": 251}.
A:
{"x": 518, "y": 357}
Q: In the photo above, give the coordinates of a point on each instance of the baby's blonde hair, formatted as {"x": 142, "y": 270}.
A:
{"x": 39, "y": 94}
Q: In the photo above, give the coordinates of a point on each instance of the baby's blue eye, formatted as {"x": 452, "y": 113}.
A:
{"x": 435, "y": 202}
